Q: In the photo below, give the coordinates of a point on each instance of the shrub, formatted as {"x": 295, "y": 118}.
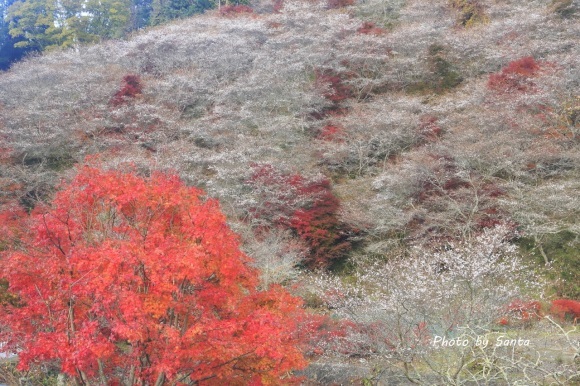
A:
{"x": 276, "y": 196}
{"x": 450, "y": 201}
{"x": 445, "y": 178}
{"x": 515, "y": 76}
{"x": 566, "y": 308}
{"x": 442, "y": 74}
{"x": 445, "y": 76}
{"x": 569, "y": 118}
{"x": 524, "y": 311}
{"x": 525, "y": 66}
{"x": 277, "y": 5}
{"x": 235, "y": 9}
{"x": 332, "y": 133}
{"x": 277, "y": 255}
{"x": 306, "y": 206}
{"x": 319, "y": 227}
{"x": 559, "y": 250}
{"x": 334, "y": 4}
{"x": 471, "y": 12}
{"x": 5, "y": 154}
{"x": 130, "y": 280}
{"x": 131, "y": 87}
{"x": 429, "y": 130}
{"x": 369, "y": 28}
{"x": 564, "y": 8}
{"x": 332, "y": 84}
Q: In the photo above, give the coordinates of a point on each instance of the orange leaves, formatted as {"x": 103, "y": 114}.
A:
{"x": 525, "y": 66}
{"x": 515, "y": 76}
{"x": 142, "y": 272}
{"x": 307, "y": 206}
{"x": 130, "y": 89}
{"x": 230, "y": 10}
{"x": 334, "y": 4}
{"x": 369, "y": 28}
{"x": 331, "y": 133}
{"x": 566, "y": 307}
{"x": 521, "y": 311}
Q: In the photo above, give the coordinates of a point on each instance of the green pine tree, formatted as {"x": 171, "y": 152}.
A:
{"x": 49, "y": 24}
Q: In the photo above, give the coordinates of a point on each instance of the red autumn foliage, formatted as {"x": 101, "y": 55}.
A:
{"x": 278, "y": 195}
{"x": 331, "y": 133}
{"x": 5, "y": 155}
{"x": 130, "y": 89}
{"x": 369, "y": 28}
{"x": 489, "y": 218}
{"x": 235, "y": 9}
{"x": 523, "y": 310}
{"x": 422, "y": 334}
{"x": 525, "y": 66}
{"x": 563, "y": 308}
{"x": 277, "y": 5}
{"x": 515, "y": 76}
{"x": 503, "y": 321}
{"x": 320, "y": 332}
{"x": 520, "y": 312}
{"x": 319, "y": 227}
{"x": 308, "y": 207}
{"x": 445, "y": 179}
{"x": 130, "y": 280}
{"x": 332, "y": 82}
{"x": 334, "y": 4}
{"x": 493, "y": 190}
{"x": 454, "y": 183}
{"x": 429, "y": 130}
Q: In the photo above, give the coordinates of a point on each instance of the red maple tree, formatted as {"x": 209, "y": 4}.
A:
{"x": 307, "y": 206}
{"x": 130, "y": 280}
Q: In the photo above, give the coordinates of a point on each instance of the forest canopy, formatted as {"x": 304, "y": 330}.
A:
{"x": 39, "y": 25}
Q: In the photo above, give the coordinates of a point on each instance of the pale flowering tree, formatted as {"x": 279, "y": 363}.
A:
{"x": 398, "y": 306}
{"x": 492, "y": 356}
{"x": 277, "y": 255}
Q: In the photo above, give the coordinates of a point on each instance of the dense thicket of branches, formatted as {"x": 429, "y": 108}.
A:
{"x": 385, "y": 125}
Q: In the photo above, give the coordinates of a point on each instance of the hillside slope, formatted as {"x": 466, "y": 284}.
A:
{"x": 404, "y": 118}
{"x": 427, "y": 123}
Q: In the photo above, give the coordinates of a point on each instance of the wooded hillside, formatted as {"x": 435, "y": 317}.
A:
{"x": 343, "y": 139}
